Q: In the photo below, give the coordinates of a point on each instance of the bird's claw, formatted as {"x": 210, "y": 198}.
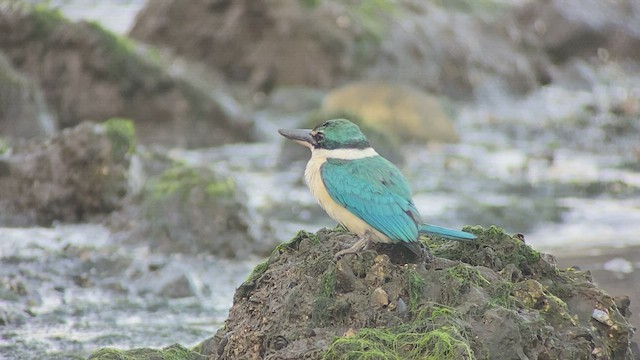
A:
{"x": 360, "y": 245}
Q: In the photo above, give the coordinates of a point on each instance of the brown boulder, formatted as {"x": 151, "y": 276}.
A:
{"x": 79, "y": 173}
{"x": 324, "y": 43}
{"x": 584, "y": 28}
{"x": 265, "y": 43}
{"x": 456, "y": 53}
{"x": 86, "y": 72}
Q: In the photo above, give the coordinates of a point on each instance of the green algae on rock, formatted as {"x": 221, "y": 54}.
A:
{"x": 496, "y": 298}
{"x": 122, "y": 133}
{"x": 190, "y": 209}
{"x": 182, "y": 179}
{"x": 173, "y": 352}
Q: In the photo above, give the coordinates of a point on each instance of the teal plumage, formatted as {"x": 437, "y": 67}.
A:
{"x": 444, "y": 232}
{"x": 374, "y": 190}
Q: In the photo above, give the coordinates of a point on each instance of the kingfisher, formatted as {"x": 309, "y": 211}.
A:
{"x": 360, "y": 189}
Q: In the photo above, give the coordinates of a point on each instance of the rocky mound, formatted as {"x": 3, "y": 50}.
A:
{"x": 77, "y": 173}
{"x": 190, "y": 210}
{"x": 495, "y": 298}
{"x": 89, "y": 73}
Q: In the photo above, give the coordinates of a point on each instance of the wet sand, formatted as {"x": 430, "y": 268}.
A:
{"x": 617, "y": 271}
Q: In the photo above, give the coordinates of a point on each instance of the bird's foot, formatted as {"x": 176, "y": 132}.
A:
{"x": 360, "y": 245}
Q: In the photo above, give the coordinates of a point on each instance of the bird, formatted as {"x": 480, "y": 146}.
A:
{"x": 362, "y": 190}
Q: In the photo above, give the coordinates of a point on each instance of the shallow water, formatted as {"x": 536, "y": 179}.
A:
{"x": 68, "y": 290}
{"x": 554, "y": 166}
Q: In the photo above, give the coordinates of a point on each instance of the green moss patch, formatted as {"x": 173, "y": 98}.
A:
{"x": 493, "y": 249}
{"x": 47, "y": 20}
{"x": 173, "y": 352}
{"x": 180, "y": 179}
{"x": 122, "y": 133}
{"x": 533, "y": 295}
{"x": 123, "y": 61}
{"x": 414, "y": 284}
{"x": 435, "y": 333}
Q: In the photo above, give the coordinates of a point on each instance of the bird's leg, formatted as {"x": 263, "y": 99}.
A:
{"x": 360, "y": 245}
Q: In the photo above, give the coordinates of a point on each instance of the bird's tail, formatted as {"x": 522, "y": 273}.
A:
{"x": 447, "y": 233}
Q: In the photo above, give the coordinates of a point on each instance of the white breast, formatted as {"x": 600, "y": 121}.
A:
{"x": 338, "y": 213}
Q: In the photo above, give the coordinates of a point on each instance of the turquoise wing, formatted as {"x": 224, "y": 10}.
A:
{"x": 374, "y": 190}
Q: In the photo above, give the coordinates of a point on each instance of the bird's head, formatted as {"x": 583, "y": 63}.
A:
{"x": 330, "y": 135}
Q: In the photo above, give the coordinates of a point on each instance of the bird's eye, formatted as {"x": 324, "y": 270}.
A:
{"x": 318, "y": 136}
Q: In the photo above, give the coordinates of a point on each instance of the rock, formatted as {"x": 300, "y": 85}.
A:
{"x": 87, "y": 72}
{"x": 379, "y": 297}
{"x": 294, "y": 99}
{"x": 582, "y": 28}
{"x": 396, "y": 110}
{"x": 463, "y": 308}
{"x": 401, "y": 306}
{"x": 23, "y": 110}
{"x": 78, "y": 173}
{"x": 16, "y": 300}
{"x": 264, "y": 43}
{"x": 325, "y": 43}
{"x": 189, "y": 209}
{"x": 457, "y": 53}
{"x": 169, "y": 280}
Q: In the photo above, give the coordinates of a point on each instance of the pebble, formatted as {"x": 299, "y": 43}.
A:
{"x": 379, "y": 297}
{"x": 401, "y": 306}
{"x": 602, "y": 316}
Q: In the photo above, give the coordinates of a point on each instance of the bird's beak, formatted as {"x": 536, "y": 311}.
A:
{"x": 301, "y": 136}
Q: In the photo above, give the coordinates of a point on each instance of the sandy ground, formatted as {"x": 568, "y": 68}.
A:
{"x": 615, "y": 270}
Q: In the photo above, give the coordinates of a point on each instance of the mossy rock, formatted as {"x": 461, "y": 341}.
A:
{"x": 191, "y": 209}
{"x": 180, "y": 179}
{"x": 122, "y": 133}
{"x": 100, "y": 75}
{"x": 402, "y": 112}
{"x": 495, "y": 298}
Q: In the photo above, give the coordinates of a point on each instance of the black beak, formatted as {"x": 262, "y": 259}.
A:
{"x": 299, "y": 135}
